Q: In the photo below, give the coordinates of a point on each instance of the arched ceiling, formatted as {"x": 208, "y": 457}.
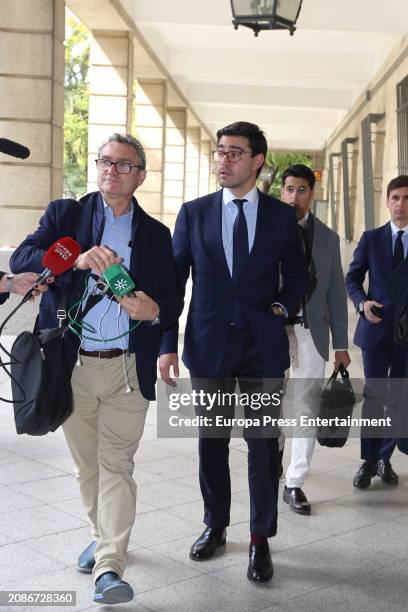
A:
{"x": 297, "y": 88}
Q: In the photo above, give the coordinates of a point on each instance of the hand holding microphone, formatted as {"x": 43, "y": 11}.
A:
{"x": 59, "y": 258}
{"x": 22, "y": 283}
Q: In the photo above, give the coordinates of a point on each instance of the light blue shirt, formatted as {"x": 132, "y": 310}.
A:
{"x": 394, "y": 235}
{"x": 107, "y": 317}
{"x": 230, "y": 211}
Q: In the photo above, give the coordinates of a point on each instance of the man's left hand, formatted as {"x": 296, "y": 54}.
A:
{"x": 341, "y": 357}
{"x": 140, "y": 306}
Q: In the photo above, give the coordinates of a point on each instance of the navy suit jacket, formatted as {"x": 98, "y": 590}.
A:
{"x": 151, "y": 266}
{"x": 397, "y": 284}
{"x": 373, "y": 255}
{"x": 275, "y": 272}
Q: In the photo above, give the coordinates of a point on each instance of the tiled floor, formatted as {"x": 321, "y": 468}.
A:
{"x": 351, "y": 554}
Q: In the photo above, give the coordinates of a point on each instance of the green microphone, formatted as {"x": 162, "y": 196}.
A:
{"x": 119, "y": 280}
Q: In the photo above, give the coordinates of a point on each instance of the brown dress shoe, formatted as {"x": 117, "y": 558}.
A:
{"x": 296, "y": 499}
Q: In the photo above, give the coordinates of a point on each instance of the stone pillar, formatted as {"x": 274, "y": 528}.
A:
{"x": 213, "y": 179}
{"x": 192, "y": 167}
{"x": 31, "y": 111}
{"x": 205, "y": 161}
{"x": 175, "y": 157}
{"x": 110, "y": 91}
{"x": 149, "y": 128}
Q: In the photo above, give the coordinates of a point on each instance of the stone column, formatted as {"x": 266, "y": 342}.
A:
{"x": 175, "y": 157}
{"x": 110, "y": 89}
{"x": 150, "y": 112}
{"x": 205, "y": 161}
{"x": 31, "y": 111}
{"x": 192, "y": 167}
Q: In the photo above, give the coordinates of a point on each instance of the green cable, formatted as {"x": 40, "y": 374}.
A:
{"x": 89, "y": 328}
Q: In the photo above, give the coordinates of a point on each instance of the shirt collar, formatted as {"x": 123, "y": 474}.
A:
{"x": 109, "y": 211}
{"x": 396, "y": 229}
{"x": 303, "y": 222}
{"x": 252, "y": 196}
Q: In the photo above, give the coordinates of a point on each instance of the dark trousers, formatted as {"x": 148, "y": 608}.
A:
{"x": 240, "y": 363}
{"x": 386, "y": 361}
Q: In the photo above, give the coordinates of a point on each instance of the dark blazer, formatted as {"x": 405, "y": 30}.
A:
{"x": 397, "y": 284}
{"x": 151, "y": 266}
{"x": 373, "y": 255}
{"x": 197, "y": 245}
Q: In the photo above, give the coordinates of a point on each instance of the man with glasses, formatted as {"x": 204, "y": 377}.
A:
{"x": 323, "y": 310}
{"x": 117, "y": 362}
{"x": 237, "y": 241}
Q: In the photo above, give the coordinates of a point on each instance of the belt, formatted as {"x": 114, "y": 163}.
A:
{"x": 298, "y": 320}
{"x": 110, "y": 354}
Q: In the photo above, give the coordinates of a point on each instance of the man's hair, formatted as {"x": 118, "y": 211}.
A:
{"x": 129, "y": 140}
{"x": 300, "y": 171}
{"x": 250, "y": 131}
{"x": 396, "y": 183}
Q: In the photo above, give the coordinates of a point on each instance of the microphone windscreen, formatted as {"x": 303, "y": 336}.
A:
{"x": 13, "y": 148}
{"x": 61, "y": 255}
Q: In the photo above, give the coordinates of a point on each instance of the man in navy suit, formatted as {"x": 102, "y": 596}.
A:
{"x": 379, "y": 252}
{"x": 237, "y": 242}
{"x": 118, "y": 359}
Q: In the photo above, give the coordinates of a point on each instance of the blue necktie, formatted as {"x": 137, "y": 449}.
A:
{"x": 240, "y": 253}
{"x": 398, "y": 255}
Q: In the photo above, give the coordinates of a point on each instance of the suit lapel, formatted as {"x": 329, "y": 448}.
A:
{"x": 386, "y": 250}
{"x": 214, "y": 225}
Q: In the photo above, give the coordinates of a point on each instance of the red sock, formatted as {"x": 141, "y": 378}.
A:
{"x": 259, "y": 540}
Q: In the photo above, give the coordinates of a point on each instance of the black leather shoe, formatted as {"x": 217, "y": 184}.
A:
{"x": 110, "y": 589}
{"x": 386, "y": 473}
{"x": 205, "y": 546}
{"x": 362, "y": 479}
{"x": 260, "y": 568}
{"x": 296, "y": 499}
{"x": 86, "y": 559}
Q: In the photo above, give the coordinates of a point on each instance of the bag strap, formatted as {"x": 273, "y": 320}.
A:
{"x": 62, "y": 307}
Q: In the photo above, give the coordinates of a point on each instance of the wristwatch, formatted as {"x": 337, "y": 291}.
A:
{"x": 156, "y": 321}
{"x": 360, "y": 308}
{"x": 9, "y": 283}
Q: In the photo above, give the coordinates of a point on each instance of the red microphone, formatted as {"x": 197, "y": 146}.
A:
{"x": 59, "y": 258}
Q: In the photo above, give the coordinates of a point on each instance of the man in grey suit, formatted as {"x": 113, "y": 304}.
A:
{"x": 324, "y": 310}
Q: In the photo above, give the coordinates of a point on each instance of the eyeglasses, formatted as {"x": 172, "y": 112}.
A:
{"x": 120, "y": 166}
{"x": 298, "y": 188}
{"x": 232, "y": 156}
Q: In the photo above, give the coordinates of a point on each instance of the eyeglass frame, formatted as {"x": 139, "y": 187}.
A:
{"x": 221, "y": 152}
{"x": 115, "y": 163}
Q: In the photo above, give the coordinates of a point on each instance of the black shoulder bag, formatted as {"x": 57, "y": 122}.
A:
{"x": 40, "y": 379}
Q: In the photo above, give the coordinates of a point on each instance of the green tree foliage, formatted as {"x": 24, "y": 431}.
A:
{"x": 76, "y": 104}
{"x": 277, "y": 163}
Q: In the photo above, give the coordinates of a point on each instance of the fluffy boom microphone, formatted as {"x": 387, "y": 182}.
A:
{"x": 59, "y": 258}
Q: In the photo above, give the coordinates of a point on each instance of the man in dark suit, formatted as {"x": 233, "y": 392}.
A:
{"x": 117, "y": 373}
{"x": 379, "y": 252}
{"x": 236, "y": 242}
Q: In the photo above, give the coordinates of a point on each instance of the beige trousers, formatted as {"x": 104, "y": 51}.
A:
{"x": 103, "y": 434}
